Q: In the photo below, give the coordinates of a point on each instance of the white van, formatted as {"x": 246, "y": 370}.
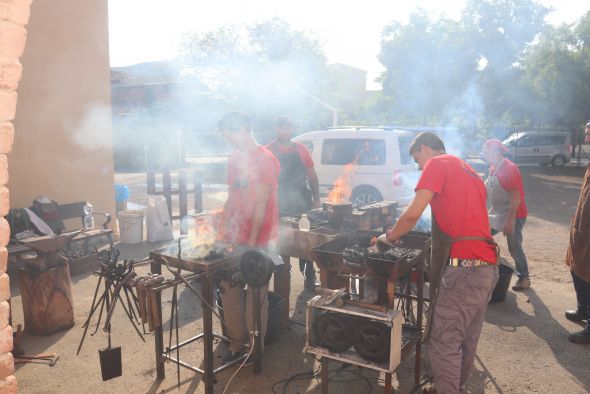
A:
{"x": 542, "y": 147}
{"x": 381, "y": 167}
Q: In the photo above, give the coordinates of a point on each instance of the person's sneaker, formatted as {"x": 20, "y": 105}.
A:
{"x": 522, "y": 284}
{"x": 580, "y": 337}
{"x": 577, "y": 315}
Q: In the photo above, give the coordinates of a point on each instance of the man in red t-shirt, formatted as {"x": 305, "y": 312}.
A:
{"x": 508, "y": 210}
{"x": 463, "y": 269}
{"x": 298, "y": 182}
{"x": 250, "y": 218}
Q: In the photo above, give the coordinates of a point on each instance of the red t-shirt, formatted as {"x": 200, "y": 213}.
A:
{"x": 459, "y": 205}
{"x": 246, "y": 171}
{"x": 294, "y": 146}
{"x": 510, "y": 179}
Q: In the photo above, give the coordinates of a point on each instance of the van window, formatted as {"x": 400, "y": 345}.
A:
{"x": 358, "y": 151}
{"x": 404, "y": 148}
{"x": 527, "y": 140}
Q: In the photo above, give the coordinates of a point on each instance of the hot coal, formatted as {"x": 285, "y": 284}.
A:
{"x": 395, "y": 254}
{"x": 355, "y": 254}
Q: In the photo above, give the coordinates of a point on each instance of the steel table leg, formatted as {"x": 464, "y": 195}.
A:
{"x": 325, "y": 379}
{"x": 156, "y": 268}
{"x": 207, "y": 294}
{"x": 282, "y": 287}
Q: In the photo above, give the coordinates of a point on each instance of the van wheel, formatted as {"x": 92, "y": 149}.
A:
{"x": 363, "y": 195}
{"x": 558, "y": 161}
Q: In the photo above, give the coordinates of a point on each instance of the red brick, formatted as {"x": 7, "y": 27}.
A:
{"x": 6, "y": 340}
{"x": 4, "y": 288}
{"x": 12, "y": 40}
{"x": 17, "y": 11}
{"x": 8, "y": 385}
{"x": 4, "y": 232}
{"x": 10, "y": 74}
{"x": 7, "y": 104}
{"x": 4, "y": 314}
{"x": 6, "y": 137}
{"x": 6, "y": 365}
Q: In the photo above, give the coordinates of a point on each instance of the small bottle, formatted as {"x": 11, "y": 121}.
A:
{"x": 88, "y": 216}
{"x": 304, "y": 223}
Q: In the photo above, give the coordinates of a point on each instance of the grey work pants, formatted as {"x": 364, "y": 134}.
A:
{"x": 237, "y": 314}
{"x": 458, "y": 317}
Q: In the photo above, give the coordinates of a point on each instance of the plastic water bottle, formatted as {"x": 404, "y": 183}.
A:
{"x": 88, "y": 216}
{"x": 304, "y": 223}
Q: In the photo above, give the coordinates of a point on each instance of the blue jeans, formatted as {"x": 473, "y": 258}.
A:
{"x": 514, "y": 241}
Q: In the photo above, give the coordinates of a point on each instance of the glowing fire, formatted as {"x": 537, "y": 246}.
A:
{"x": 206, "y": 229}
{"x": 342, "y": 186}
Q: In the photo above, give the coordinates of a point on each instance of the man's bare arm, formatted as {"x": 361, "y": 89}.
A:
{"x": 410, "y": 215}
{"x": 314, "y": 184}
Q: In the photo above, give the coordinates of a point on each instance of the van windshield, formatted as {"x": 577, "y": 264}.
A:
{"x": 341, "y": 151}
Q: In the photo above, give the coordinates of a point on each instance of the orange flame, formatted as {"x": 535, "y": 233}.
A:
{"x": 206, "y": 229}
{"x": 342, "y": 188}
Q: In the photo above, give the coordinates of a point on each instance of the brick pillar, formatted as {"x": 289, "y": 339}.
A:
{"x": 14, "y": 15}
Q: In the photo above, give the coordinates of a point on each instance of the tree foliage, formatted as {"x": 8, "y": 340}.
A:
{"x": 498, "y": 65}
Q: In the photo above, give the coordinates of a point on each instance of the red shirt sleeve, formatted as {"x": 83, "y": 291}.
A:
{"x": 432, "y": 177}
{"x": 304, "y": 155}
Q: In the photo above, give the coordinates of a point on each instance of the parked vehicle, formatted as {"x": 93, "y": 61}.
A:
{"x": 542, "y": 147}
{"x": 379, "y": 164}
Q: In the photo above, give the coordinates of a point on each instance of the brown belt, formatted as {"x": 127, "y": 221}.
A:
{"x": 467, "y": 263}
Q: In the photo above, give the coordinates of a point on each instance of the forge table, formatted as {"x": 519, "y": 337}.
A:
{"x": 335, "y": 273}
{"x": 207, "y": 270}
{"x": 296, "y": 243}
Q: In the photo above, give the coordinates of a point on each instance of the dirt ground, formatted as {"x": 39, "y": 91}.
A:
{"x": 523, "y": 346}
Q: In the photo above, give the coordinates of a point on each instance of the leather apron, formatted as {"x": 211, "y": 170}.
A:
{"x": 499, "y": 200}
{"x": 578, "y": 253}
{"x": 294, "y": 195}
{"x": 439, "y": 259}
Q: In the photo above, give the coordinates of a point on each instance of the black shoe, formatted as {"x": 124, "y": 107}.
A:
{"x": 231, "y": 356}
{"x": 577, "y": 315}
{"x": 580, "y": 337}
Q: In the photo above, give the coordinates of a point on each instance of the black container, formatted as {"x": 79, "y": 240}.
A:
{"x": 275, "y": 313}
{"x": 501, "y": 289}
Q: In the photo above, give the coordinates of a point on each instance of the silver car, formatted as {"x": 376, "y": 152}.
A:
{"x": 541, "y": 147}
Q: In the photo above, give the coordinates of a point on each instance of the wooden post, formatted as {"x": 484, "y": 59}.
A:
{"x": 47, "y": 300}
{"x": 167, "y": 190}
{"x": 198, "y": 191}
{"x": 182, "y": 202}
{"x": 151, "y": 182}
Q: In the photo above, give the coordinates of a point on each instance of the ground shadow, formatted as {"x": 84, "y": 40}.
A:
{"x": 509, "y": 317}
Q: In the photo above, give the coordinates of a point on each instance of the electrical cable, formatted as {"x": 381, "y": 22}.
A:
{"x": 243, "y": 362}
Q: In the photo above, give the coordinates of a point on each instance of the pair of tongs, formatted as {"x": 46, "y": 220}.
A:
{"x": 41, "y": 358}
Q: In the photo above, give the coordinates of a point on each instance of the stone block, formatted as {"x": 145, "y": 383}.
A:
{"x": 6, "y": 340}
{"x": 4, "y": 314}
{"x": 7, "y": 104}
{"x": 3, "y": 260}
{"x": 4, "y": 232}
{"x": 10, "y": 74}
{"x": 6, "y": 365}
{"x": 4, "y": 288}
{"x": 12, "y": 40}
{"x": 8, "y": 385}
{"x": 17, "y": 11}
{"x": 6, "y": 137}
